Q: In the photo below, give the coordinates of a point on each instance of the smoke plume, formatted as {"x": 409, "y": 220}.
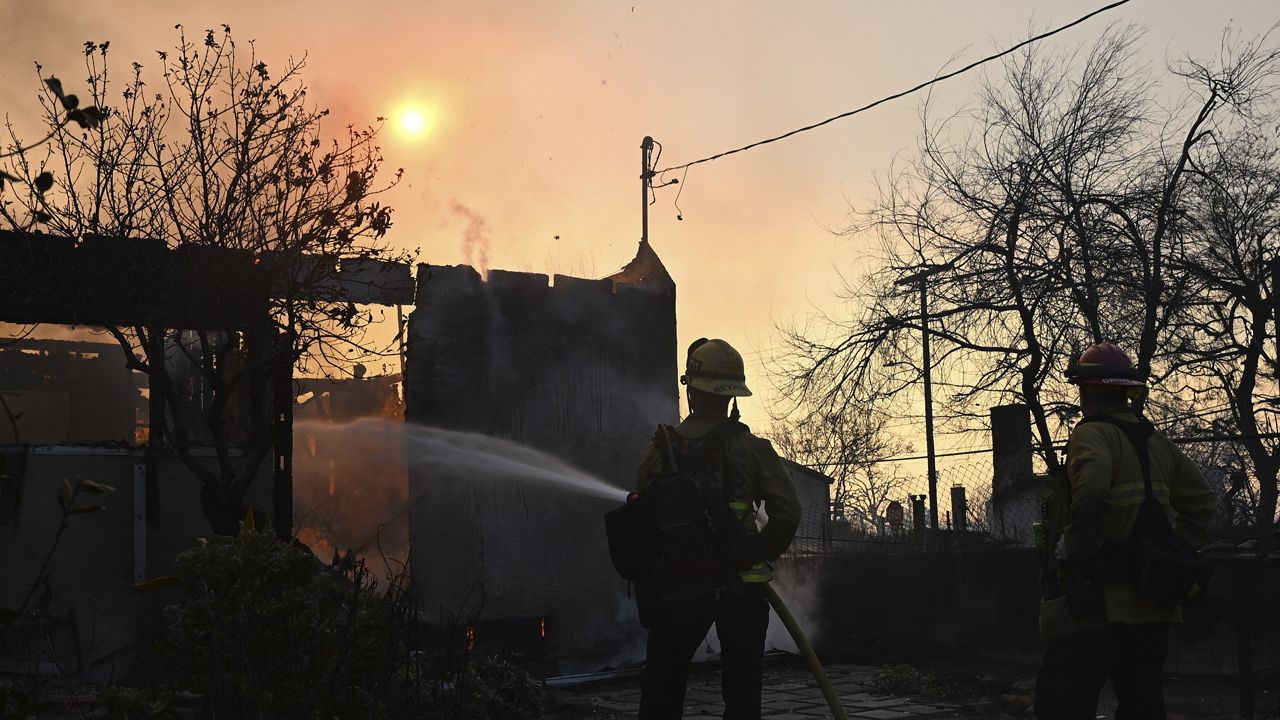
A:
{"x": 475, "y": 238}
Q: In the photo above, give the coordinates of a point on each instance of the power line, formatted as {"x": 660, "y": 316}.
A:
{"x": 895, "y": 96}
{"x": 1057, "y": 446}
{"x": 838, "y": 463}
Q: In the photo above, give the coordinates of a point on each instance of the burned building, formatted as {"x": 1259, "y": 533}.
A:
{"x": 70, "y": 392}
{"x": 581, "y": 369}
{"x": 350, "y": 478}
{"x": 77, "y": 413}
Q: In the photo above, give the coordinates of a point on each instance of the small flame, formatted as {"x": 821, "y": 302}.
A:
{"x": 542, "y": 627}
{"x": 471, "y": 637}
{"x": 315, "y": 540}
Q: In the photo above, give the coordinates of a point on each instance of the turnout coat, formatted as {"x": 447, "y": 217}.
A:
{"x": 1096, "y": 501}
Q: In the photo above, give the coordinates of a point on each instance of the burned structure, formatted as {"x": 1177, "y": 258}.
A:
{"x": 66, "y": 391}
{"x": 581, "y": 369}
{"x": 350, "y": 482}
{"x": 89, "y": 417}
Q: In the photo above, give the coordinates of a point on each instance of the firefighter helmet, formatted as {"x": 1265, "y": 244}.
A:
{"x": 713, "y": 366}
{"x": 1105, "y": 364}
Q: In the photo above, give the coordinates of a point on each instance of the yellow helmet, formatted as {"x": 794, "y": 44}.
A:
{"x": 713, "y": 366}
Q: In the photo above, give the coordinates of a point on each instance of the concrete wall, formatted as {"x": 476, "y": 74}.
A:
{"x": 584, "y": 370}
{"x": 987, "y": 602}
{"x": 102, "y": 554}
{"x": 912, "y": 601}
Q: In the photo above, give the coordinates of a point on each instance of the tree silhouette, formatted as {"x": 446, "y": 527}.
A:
{"x": 222, "y": 153}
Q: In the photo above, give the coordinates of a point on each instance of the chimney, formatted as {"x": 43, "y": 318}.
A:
{"x": 1010, "y": 448}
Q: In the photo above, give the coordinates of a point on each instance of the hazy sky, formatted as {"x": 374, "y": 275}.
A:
{"x": 540, "y": 108}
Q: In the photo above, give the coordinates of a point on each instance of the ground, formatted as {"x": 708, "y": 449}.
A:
{"x": 925, "y": 688}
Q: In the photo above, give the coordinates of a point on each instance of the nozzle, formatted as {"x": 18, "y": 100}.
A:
{"x": 632, "y": 497}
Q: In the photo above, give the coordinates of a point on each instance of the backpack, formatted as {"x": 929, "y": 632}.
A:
{"x": 679, "y": 540}
{"x": 1160, "y": 564}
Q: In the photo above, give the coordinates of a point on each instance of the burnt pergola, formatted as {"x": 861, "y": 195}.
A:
{"x": 133, "y": 282}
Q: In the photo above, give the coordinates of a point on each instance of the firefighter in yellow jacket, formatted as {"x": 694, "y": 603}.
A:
{"x": 1096, "y": 624}
{"x": 753, "y": 475}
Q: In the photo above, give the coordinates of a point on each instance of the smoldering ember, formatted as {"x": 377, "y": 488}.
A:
{"x": 314, "y": 403}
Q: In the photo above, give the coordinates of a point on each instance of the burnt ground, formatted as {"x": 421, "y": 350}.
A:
{"x": 929, "y": 687}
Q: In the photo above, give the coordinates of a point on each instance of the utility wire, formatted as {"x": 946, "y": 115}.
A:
{"x": 1056, "y": 445}
{"x": 922, "y": 85}
{"x": 841, "y": 463}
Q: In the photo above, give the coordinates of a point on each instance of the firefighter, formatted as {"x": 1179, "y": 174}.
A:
{"x": 714, "y": 375}
{"x": 1096, "y": 624}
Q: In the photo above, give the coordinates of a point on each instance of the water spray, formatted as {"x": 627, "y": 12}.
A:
{"x": 374, "y": 455}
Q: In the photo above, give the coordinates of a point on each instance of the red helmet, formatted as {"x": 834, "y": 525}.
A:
{"x": 1104, "y": 364}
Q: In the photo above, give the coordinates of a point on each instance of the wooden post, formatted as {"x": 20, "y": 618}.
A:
{"x": 155, "y": 426}
{"x": 282, "y": 436}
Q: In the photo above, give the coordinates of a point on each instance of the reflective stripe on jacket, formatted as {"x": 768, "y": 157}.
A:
{"x": 758, "y": 476}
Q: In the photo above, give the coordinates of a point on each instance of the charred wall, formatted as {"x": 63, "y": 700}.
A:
{"x": 59, "y": 391}
{"x": 582, "y": 369}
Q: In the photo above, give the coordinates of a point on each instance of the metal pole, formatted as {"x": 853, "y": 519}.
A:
{"x": 646, "y": 151}
{"x": 928, "y": 404}
{"x": 1244, "y": 642}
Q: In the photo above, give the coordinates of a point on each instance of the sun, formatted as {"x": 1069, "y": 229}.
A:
{"x": 414, "y": 121}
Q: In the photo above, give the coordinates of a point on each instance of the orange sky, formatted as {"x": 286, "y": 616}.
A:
{"x": 541, "y": 107}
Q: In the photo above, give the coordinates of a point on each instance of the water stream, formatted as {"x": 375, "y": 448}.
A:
{"x": 351, "y": 479}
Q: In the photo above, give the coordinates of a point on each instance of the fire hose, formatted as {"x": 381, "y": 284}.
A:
{"x": 806, "y": 650}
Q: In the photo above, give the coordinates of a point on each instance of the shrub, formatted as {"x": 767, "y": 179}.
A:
{"x": 269, "y": 631}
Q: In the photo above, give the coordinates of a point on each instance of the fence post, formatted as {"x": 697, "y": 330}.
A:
{"x": 919, "y": 522}
{"x": 959, "y": 509}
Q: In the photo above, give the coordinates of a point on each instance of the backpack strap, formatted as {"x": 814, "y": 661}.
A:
{"x": 1138, "y": 434}
{"x": 663, "y": 442}
{"x": 714, "y": 442}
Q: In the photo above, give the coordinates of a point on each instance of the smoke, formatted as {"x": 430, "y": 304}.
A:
{"x": 627, "y": 639}
{"x": 799, "y": 589}
{"x": 350, "y": 485}
{"x": 799, "y": 586}
{"x": 475, "y": 238}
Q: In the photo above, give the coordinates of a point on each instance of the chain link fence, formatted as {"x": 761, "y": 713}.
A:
{"x": 1233, "y": 627}
{"x": 896, "y": 517}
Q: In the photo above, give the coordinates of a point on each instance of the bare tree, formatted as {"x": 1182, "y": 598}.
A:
{"x": 1046, "y": 218}
{"x": 848, "y": 448}
{"x": 223, "y": 153}
{"x": 1223, "y": 353}
{"x": 66, "y": 112}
